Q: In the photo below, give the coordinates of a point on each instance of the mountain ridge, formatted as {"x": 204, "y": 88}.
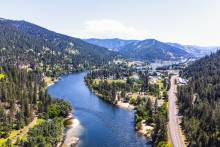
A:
{"x": 24, "y": 43}
{"x": 152, "y": 49}
{"x": 195, "y": 51}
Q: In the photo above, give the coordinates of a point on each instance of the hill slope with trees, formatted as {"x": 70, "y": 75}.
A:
{"x": 26, "y": 44}
{"x": 199, "y": 101}
{"x": 149, "y": 49}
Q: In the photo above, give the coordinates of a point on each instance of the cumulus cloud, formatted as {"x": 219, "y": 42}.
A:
{"x": 107, "y": 28}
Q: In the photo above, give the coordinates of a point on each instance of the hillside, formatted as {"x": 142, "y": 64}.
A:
{"x": 199, "y": 101}
{"x": 149, "y": 49}
{"x": 119, "y": 45}
{"x": 26, "y": 44}
{"x": 20, "y": 92}
{"x": 152, "y": 50}
{"x": 27, "y": 112}
{"x": 196, "y": 51}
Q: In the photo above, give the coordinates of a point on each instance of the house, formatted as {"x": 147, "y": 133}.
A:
{"x": 182, "y": 81}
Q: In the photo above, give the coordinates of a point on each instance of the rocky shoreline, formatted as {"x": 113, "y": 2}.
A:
{"x": 49, "y": 81}
{"x": 125, "y": 106}
{"x": 69, "y": 140}
{"x": 146, "y": 130}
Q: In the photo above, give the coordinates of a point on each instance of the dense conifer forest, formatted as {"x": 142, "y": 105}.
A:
{"x": 23, "y": 97}
{"x": 199, "y": 102}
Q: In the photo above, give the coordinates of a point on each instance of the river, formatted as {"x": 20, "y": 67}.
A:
{"x": 100, "y": 124}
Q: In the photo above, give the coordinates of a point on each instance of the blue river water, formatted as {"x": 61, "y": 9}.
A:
{"x": 101, "y": 124}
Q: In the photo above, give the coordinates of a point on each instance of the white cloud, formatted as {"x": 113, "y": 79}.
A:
{"x": 107, "y": 28}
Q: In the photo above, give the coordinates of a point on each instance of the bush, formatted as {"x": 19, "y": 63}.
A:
{"x": 59, "y": 108}
{"x": 162, "y": 144}
{"x": 139, "y": 126}
{"x": 133, "y": 101}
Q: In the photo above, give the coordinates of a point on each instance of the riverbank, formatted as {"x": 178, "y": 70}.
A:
{"x": 119, "y": 103}
{"x": 125, "y": 105}
{"x": 122, "y": 105}
{"x": 70, "y": 123}
{"x": 146, "y": 130}
{"x": 67, "y": 139}
{"x": 50, "y": 81}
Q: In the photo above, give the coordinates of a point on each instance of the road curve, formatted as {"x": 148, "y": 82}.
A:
{"x": 174, "y": 121}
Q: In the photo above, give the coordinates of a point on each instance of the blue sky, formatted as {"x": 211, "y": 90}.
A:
{"x": 183, "y": 21}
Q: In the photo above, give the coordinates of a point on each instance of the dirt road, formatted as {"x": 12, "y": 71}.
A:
{"x": 25, "y": 130}
{"x": 174, "y": 121}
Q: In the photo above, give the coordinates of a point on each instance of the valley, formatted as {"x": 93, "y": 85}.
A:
{"x": 105, "y": 92}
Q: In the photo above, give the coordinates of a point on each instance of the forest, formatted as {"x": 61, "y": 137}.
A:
{"x": 199, "y": 102}
{"x": 23, "y": 97}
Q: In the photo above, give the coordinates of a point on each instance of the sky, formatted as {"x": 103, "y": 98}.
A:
{"x": 194, "y": 22}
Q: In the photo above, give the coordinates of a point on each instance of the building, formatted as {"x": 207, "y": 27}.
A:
{"x": 182, "y": 81}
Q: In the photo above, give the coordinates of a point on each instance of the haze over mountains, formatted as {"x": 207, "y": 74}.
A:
{"x": 112, "y": 44}
{"x": 144, "y": 49}
{"x": 197, "y": 51}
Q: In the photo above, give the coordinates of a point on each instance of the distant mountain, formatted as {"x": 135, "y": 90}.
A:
{"x": 24, "y": 43}
{"x": 151, "y": 49}
{"x": 196, "y": 51}
{"x": 112, "y": 44}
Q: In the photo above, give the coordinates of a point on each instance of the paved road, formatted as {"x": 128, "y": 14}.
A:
{"x": 173, "y": 125}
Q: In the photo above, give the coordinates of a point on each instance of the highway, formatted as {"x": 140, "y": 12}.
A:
{"x": 174, "y": 121}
